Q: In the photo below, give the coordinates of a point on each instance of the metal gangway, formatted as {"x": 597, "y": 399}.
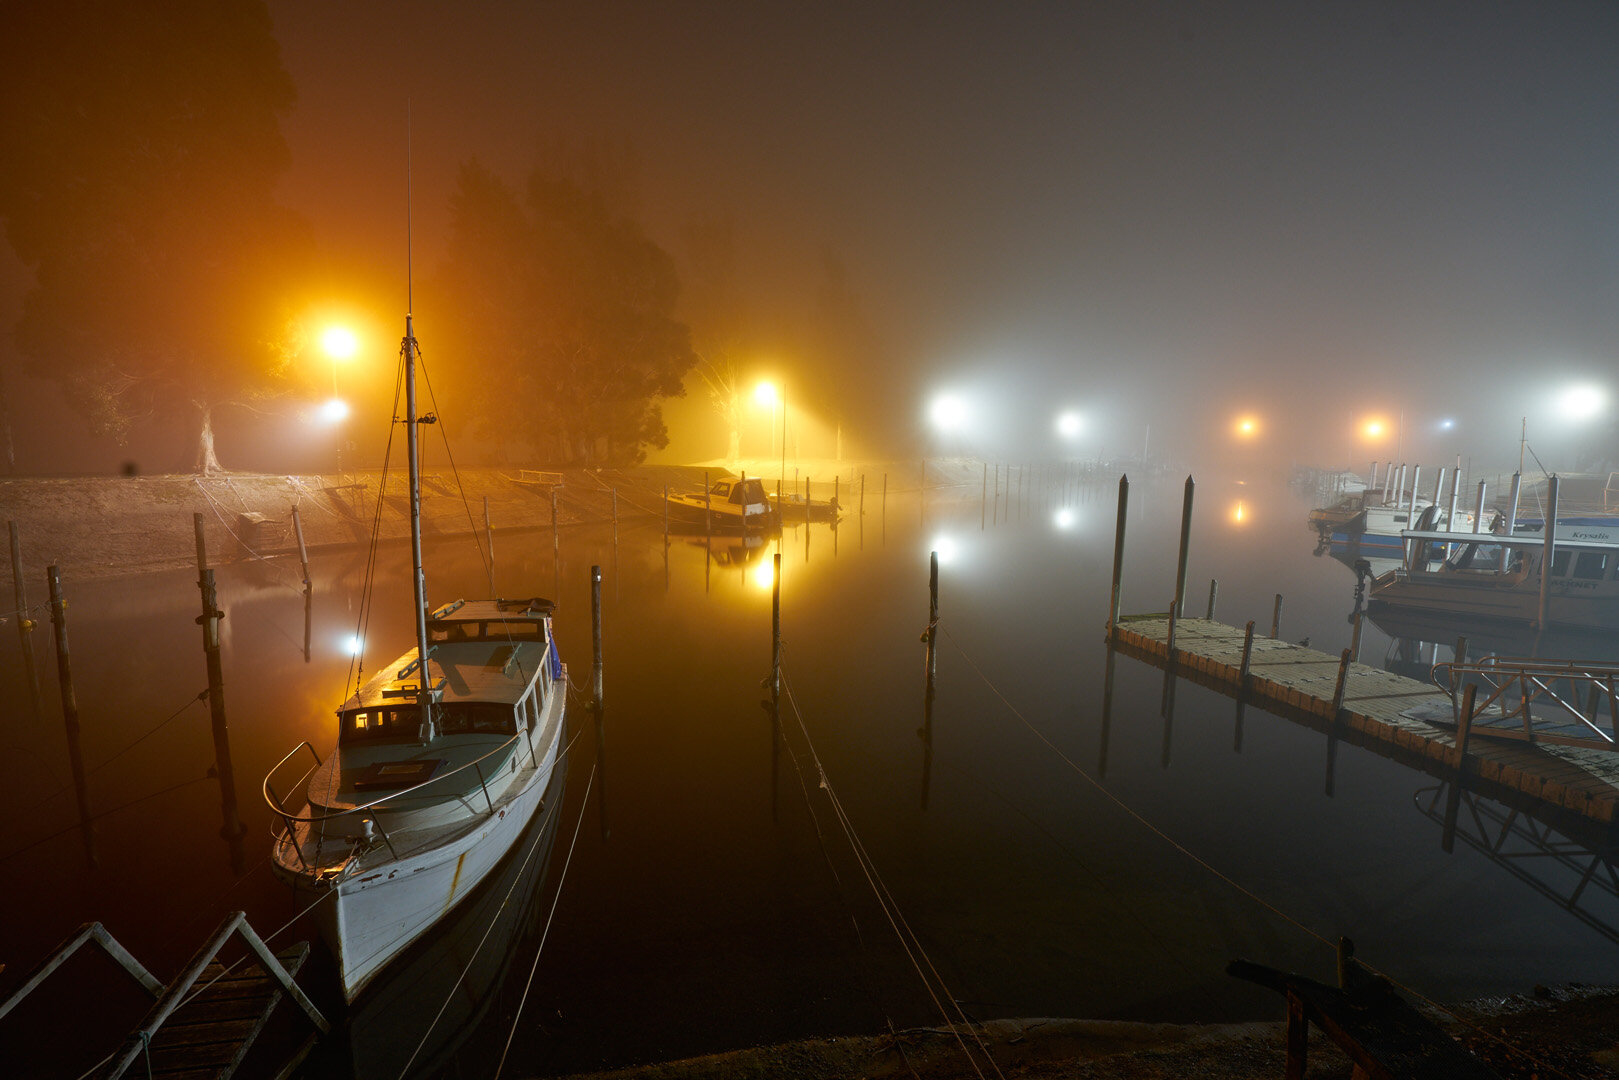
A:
{"x": 1555, "y": 702}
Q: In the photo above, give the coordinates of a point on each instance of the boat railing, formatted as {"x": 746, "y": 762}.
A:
{"x": 1572, "y": 697}
{"x": 289, "y": 818}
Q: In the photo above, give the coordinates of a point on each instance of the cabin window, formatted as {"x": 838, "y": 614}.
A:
{"x": 1560, "y": 564}
{"x": 495, "y": 630}
{"x": 1591, "y": 564}
{"x": 477, "y": 717}
{"x": 364, "y": 725}
{"x": 532, "y": 710}
{"x": 722, "y": 489}
{"x": 1478, "y": 557}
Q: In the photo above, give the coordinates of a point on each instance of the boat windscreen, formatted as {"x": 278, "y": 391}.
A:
{"x": 403, "y": 722}
{"x": 480, "y": 717}
{"x": 491, "y": 630}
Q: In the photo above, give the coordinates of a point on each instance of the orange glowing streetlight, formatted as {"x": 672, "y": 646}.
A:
{"x": 1246, "y": 427}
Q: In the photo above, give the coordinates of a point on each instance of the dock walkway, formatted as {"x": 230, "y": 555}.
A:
{"x": 1377, "y": 710}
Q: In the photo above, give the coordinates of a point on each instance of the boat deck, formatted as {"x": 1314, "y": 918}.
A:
{"x": 1300, "y": 683}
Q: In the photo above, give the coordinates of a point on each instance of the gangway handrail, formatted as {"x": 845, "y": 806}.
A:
{"x": 1534, "y": 680}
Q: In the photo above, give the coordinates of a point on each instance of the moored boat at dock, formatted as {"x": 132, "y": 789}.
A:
{"x": 1500, "y": 578}
{"x": 441, "y": 760}
{"x": 729, "y": 505}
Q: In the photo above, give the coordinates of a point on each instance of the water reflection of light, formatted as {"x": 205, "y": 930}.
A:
{"x": 1239, "y": 513}
{"x": 1065, "y": 517}
{"x": 946, "y": 548}
{"x": 764, "y": 574}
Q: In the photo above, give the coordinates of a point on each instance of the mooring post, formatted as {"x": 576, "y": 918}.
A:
{"x": 932, "y": 635}
{"x": 1453, "y": 803}
{"x": 1169, "y": 662}
{"x": 25, "y": 626}
{"x": 615, "y": 519}
{"x": 1354, "y": 638}
{"x": 1337, "y": 708}
{"x": 1118, "y": 556}
{"x": 1214, "y": 593}
{"x": 309, "y": 594}
{"x": 556, "y": 541}
{"x": 1548, "y": 551}
{"x": 231, "y": 828}
{"x": 708, "y": 505}
{"x": 983, "y": 500}
{"x": 1276, "y": 617}
{"x": 775, "y": 633}
{"x": 1186, "y": 541}
{"x": 70, "y": 710}
{"x": 1242, "y": 682}
{"x": 1478, "y": 512}
{"x": 597, "y": 701}
{"x": 489, "y": 545}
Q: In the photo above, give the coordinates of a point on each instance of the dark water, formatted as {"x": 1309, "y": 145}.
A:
{"x": 711, "y": 900}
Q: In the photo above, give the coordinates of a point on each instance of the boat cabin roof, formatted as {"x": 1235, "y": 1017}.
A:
{"x": 497, "y": 671}
{"x": 491, "y": 620}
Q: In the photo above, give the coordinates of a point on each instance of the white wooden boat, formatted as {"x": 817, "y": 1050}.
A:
{"x": 730, "y": 505}
{"x": 1500, "y": 578}
{"x": 440, "y": 762}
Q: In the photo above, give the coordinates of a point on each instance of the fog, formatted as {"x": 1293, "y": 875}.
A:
{"x": 1162, "y": 216}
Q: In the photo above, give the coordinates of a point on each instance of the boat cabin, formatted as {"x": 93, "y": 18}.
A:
{"x": 739, "y": 492}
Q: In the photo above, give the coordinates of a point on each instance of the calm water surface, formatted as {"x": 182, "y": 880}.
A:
{"x": 711, "y": 899}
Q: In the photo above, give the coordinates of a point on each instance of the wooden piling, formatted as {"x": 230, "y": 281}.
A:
{"x": 70, "y": 710}
{"x": 775, "y": 632}
{"x": 556, "y": 540}
{"x": 489, "y": 546}
{"x": 597, "y": 701}
{"x": 1276, "y": 617}
{"x": 25, "y": 626}
{"x": 1354, "y": 641}
{"x": 615, "y": 519}
{"x": 1549, "y": 550}
{"x": 1242, "y": 683}
{"x": 666, "y": 520}
{"x": 309, "y": 593}
{"x": 1118, "y": 554}
{"x": 983, "y": 500}
{"x": 1214, "y": 593}
{"x": 708, "y": 504}
{"x": 931, "y": 637}
{"x": 1464, "y": 727}
{"x": 1186, "y": 542}
{"x": 231, "y": 828}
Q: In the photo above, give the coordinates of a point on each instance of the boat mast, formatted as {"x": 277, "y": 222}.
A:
{"x": 418, "y": 577}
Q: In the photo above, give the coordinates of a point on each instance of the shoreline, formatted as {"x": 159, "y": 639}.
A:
{"x": 1570, "y": 1031}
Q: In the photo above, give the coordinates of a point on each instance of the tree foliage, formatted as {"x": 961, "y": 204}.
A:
{"x": 142, "y": 143}
{"x": 559, "y": 316}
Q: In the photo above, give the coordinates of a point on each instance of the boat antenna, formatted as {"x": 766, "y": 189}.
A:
{"x": 408, "y": 353}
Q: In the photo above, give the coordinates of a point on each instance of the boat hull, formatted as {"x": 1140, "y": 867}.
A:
{"x": 379, "y": 904}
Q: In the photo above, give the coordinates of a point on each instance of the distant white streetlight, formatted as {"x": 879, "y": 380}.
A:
{"x": 1069, "y": 425}
{"x": 1064, "y": 518}
{"x": 1582, "y": 402}
{"x": 946, "y": 548}
{"x": 948, "y": 412}
{"x": 334, "y": 411}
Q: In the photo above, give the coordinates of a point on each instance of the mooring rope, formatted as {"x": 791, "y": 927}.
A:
{"x": 517, "y": 1015}
{"x": 1234, "y": 884}
{"x": 907, "y": 937}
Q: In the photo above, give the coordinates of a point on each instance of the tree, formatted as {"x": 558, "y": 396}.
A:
{"x": 558, "y": 314}
{"x": 142, "y": 144}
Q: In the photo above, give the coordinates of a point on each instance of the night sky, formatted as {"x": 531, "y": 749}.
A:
{"x": 1164, "y": 214}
